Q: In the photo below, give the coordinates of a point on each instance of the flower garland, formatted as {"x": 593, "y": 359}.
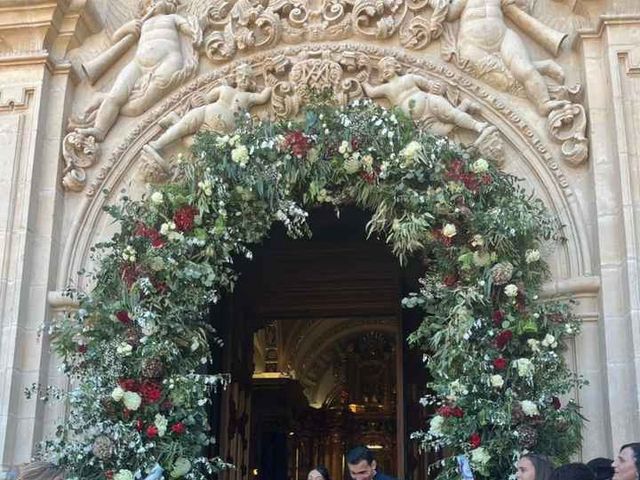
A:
{"x": 140, "y": 341}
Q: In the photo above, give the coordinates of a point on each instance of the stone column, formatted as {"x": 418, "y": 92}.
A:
{"x": 35, "y": 85}
{"x": 612, "y": 77}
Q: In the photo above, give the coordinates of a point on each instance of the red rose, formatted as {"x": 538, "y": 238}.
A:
{"x": 298, "y": 143}
{"x": 444, "y": 411}
{"x": 128, "y": 384}
{"x": 555, "y": 402}
{"x": 457, "y": 412}
{"x": 152, "y": 431}
{"x": 151, "y": 392}
{"x": 183, "y": 218}
{"x": 497, "y": 316}
{"x": 500, "y": 363}
{"x": 450, "y": 280}
{"x": 108, "y": 474}
{"x": 123, "y": 316}
{"x": 474, "y": 440}
{"x": 178, "y": 428}
{"x": 139, "y": 425}
{"x": 503, "y": 338}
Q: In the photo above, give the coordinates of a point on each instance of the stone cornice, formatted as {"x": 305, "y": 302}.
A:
{"x": 43, "y": 31}
{"x": 606, "y": 20}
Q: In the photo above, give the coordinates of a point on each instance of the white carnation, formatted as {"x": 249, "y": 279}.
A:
{"x": 480, "y": 166}
{"x": 525, "y": 367}
{"x": 435, "y": 427}
{"x": 117, "y": 394}
{"x": 124, "y": 349}
{"x": 480, "y": 456}
{"x": 549, "y": 341}
{"x": 496, "y": 381}
{"x": 529, "y": 408}
{"x": 411, "y": 150}
{"x": 157, "y": 198}
{"x": 131, "y": 400}
{"x": 531, "y": 256}
{"x": 534, "y": 345}
{"x": 511, "y": 290}
{"x": 240, "y": 155}
{"x": 123, "y": 475}
{"x": 161, "y": 423}
{"x": 449, "y": 230}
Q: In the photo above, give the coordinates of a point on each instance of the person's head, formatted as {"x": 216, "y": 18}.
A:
{"x": 389, "y": 67}
{"x": 626, "y": 466}
{"x": 319, "y": 472}
{"x": 40, "y": 471}
{"x": 160, "y": 7}
{"x": 244, "y": 77}
{"x": 534, "y": 467}
{"x": 573, "y": 471}
{"x": 361, "y": 464}
{"x": 601, "y": 468}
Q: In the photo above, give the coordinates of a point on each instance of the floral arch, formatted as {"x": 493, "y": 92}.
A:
{"x": 139, "y": 344}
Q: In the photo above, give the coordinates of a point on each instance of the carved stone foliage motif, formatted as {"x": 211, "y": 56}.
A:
{"x": 289, "y": 83}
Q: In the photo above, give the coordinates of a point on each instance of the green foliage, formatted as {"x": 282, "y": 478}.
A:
{"x": 139, "y": 342}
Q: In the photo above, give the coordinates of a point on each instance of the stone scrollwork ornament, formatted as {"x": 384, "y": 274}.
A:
{"x": 80, "y": 152}
{"x": 567, "y": 126}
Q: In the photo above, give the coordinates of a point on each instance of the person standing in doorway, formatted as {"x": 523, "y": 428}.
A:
{"x": 362, "y": 465}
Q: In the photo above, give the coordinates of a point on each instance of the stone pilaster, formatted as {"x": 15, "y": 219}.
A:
{"x": 35, "y": 84}
{"x": 612, "y": 76}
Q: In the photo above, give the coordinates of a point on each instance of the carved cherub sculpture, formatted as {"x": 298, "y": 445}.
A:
{"x": 422, "y": 100}
{"x": 166, "y": 55}
{"x": 484, "y": 38}
{"x": 221, "y": 105}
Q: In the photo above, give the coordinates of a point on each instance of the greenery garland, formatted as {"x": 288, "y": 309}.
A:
{"x": 140, "y": 340}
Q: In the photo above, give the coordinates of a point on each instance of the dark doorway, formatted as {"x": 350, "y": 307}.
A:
{"x": 315, "y": 343}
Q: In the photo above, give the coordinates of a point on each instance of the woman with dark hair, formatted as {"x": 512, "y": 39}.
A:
{"x": 626, "y": 466}
{"x": 601, "y": 468}
{"x": 319, "y": 473}
{"x": 534, "y": 467}
{"x": 573, "y": 471}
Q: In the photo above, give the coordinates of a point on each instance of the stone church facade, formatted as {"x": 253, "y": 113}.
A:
{"x": 97, "y": 96}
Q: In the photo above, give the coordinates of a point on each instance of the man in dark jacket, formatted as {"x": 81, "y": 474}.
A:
{"x": 362, "y": 465}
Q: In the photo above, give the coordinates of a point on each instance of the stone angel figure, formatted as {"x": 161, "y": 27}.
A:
{"x": 217, "y": 111}
{"x": 496, "y": 52}
{"x": 166, "y": 55}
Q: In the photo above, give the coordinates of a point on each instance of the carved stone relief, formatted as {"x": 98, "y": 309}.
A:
{"x": 473, "y": 36}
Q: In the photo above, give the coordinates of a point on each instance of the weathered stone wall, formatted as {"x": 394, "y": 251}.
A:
{"x": 86, "y": 104}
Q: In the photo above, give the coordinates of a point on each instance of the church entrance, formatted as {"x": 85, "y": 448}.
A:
{"x": 315, "y": 344}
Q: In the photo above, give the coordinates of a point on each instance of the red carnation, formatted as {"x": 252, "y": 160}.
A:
{"x": 183, "y": 218}
{"x": 444, "y": 411}
{"x": 457, "y": 412}
{"x": 470, "y": 181}
{"x": 156, "y": 239}
{"x": 500, "y": 363}
{"x": 498, "y": 317}
{"x": 128, "y": 384}
{"x": 450, "y": 280}
{"x": 555, "y": 402}
{"x": 152, "y": 431}
{"x": 369, "y": 177}
{"x": 178, "y": 428}
{"x": 151, "y": 392}
{"x": 123, "y": 316}
{"x": 474, "y": 440}
{"x": 503, "y": 338}
{"x": 455, "y": 169}
{"x": 298, "y": 143}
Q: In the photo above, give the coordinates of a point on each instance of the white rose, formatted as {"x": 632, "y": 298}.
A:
{"x": 180, "y": 468}
{"x": 131, "y": 400}
{"x": 157, "y": 197}
{"x": 117, "y": 394}
{"x": 149, "y": 328}
{"x": 497, "y": 381}
{"x": 531, "y": 256}
{"x": 480, "y": 166}
{"x": 534, "y": 344}
{"x": 161, "y": 423}
{"x": 529, "y": 408}
{"x": 344, "y": 147}
{"x": 411, "y": 150}
{"x": 511, "y": 290}
{"x": 123, "y": 475}
{"x": 240, "y": 155}
{"x": 524, "y": 366}
{"x": 549, "y": 341}
{"x": 124, "y": 349}
{"x": 477, "y": 241}
{"x": 449, "y": 230}
{"x": 480, "y": 456}
{"x": 436, "y": 425}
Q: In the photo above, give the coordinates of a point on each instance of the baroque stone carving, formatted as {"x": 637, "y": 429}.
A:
{"x": 216, "y": 110}
{"x": 167, "y": 54}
